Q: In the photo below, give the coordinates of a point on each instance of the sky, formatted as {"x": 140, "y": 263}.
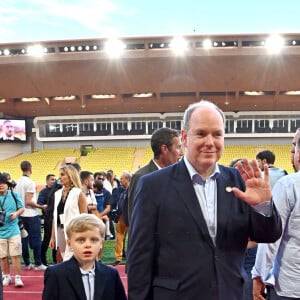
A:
{"x": 47, "y": 20}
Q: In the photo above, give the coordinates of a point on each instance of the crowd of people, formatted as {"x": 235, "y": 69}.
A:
{"x": 196, "y": 229}
{"x": 75, "y": 192}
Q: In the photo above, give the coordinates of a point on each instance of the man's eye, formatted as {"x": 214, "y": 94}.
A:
{"x": 200, "y": 133}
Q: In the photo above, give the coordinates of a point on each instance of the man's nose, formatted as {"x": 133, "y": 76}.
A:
{"x": 209, "y": 140}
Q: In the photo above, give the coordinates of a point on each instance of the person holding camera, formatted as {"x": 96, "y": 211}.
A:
{"x": 11, "y": 207}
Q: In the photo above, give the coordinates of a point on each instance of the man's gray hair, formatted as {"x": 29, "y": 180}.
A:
{"x": 203, "y": 103}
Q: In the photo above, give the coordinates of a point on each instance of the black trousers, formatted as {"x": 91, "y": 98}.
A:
{"x": 112, "y": 227}
{"x": 46, "y": 241}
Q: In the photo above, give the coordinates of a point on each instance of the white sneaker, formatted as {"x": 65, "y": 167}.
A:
{"x": 40, "y": 268}
{"x": 18, "y": 281}
{"x": 29, "y": 267}
{"x": 6, "y": 280}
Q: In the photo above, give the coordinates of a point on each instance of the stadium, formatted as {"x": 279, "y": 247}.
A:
{"x": 97, "y": 101}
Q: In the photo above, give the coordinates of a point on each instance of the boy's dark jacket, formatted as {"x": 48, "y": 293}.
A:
{"x": 64, "y": 281}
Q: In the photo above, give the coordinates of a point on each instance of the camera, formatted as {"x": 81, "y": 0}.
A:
{"x": 12, "y": 184}
{"x": 2, "y": 216}
{"x": 24, "y": 232}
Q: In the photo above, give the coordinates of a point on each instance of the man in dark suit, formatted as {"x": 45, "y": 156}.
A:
{"x": 47, "y": 216}
{"x": 191, "y": 221}
{"x": 167, "y": 150}
{"x": 8, "y": 132}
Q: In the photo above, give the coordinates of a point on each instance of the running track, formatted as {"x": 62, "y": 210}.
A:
{"x": 33, "y": 285}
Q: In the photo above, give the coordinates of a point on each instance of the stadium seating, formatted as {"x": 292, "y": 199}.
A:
{"x": 282, "y": 153}
{"x": 122, "y": 158}
{"x": 115, "y": 158}
{"x": 43, "y": 162}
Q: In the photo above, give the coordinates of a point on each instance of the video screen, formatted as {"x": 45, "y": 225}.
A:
{"x": 13, "y": 131}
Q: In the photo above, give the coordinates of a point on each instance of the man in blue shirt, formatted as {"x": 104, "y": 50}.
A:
{"x": 277, "y": 264}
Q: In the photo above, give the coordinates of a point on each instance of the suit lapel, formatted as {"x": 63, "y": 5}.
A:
{"x": 99, "y": 281}
{"x": 75, "y": 279}
{"x": 184, "y": 187}
{"x": 224, "y": 202}
{"x": 152, "y": 166}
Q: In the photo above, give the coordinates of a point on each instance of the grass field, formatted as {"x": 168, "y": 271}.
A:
{"x": 108, "y": 255}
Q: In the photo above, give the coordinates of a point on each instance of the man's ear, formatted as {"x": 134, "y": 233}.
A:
{"x": 183, "y": 137}
{"x": 164, "y": 148}
{"x": 69, "y": 243}
{"x": 298, "y": 156}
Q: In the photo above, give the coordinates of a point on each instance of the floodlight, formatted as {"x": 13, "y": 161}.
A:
{"x": 179, "y": 45}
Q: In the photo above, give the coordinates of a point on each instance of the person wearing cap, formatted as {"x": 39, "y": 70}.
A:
{"x": 10, "y": 239}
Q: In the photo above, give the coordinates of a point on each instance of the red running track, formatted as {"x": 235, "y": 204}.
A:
{"x": 34, "y": 283}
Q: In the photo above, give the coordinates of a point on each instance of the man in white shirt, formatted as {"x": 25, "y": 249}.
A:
{"x": 87, "y": 181}
{"x": 30, "y": 218}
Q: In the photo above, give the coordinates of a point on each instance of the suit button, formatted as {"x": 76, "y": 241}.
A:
{"x": 213, "y": 284}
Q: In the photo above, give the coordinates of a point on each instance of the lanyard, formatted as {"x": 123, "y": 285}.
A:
{"x": 1, "y": 204}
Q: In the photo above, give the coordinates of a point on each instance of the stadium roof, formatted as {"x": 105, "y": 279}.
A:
{"x": 78, "y": 77}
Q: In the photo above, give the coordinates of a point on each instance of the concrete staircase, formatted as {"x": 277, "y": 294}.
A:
{"x": 139, "y": 154}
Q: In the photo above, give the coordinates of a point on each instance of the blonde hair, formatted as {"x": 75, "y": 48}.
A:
{"x": 85, "y": 222}
{"x": 73, "y": 174}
